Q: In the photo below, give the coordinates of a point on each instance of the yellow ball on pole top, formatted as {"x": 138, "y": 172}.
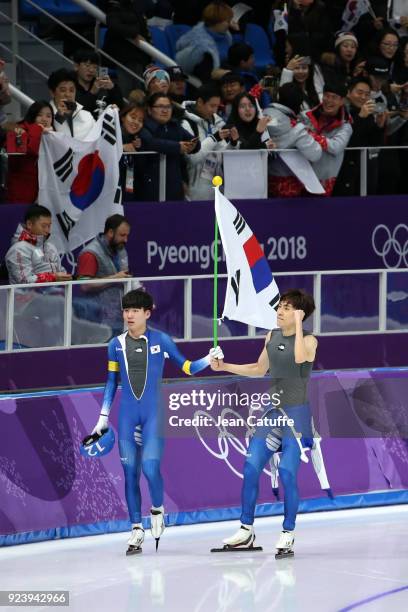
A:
{"x": 217, "y": 181}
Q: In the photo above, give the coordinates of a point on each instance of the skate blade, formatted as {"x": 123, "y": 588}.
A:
{"x": 284, "y": 554}
{"x": 228, "y": 548}
{"x": 133, "y": 550}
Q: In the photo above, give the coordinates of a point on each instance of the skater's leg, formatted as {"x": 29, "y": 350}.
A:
{"x": 288, "y": 470}
{"x": 130, "y": 457}
{"x": 259, "y": 452}
{"x": 152, "y": 452}
{"x": 153, "y": 446}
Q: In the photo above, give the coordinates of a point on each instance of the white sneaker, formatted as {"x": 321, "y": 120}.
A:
{"x": 157, "y": 523}
{"x": 136, "y": 539}
{"x": 243, "y": 538}
{"x": 285, "y": 544}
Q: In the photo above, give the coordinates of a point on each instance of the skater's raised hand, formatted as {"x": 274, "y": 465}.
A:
{"x": 299, "y": 316}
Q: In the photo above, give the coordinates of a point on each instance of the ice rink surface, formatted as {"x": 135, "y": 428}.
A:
{"x": 345, "y": 560}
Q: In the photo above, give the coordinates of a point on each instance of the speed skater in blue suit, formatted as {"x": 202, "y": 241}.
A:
{"x": 137, "y": 357}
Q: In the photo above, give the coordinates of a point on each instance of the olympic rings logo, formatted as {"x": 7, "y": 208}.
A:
{"x": 225, "y": 439}
{"x": 386, "y": 244}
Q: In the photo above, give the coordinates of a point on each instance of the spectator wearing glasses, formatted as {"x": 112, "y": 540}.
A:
{"x": 94, "y": 89}
{"x": 387, "y": 48}
{"x": 163, "y": 134}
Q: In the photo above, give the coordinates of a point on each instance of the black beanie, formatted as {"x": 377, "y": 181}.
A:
{"x": 336, "y": 87}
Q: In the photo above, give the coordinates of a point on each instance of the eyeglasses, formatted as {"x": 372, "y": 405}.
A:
{"x": 165, "y": 107}
{"x": 390, "y": 45}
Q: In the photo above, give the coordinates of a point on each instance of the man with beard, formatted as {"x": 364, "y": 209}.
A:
{"x": 106, "y": 257}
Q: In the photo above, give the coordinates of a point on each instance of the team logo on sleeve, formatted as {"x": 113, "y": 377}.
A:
{"x": 155, "y": 349}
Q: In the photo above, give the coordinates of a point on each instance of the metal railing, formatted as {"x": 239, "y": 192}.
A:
{"x": 52, "y": 307}
{"x": 364, "y": 151}
{"x": 92, "y": 10}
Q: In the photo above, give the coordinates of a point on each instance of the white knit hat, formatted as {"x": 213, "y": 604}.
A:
{"x": 345, "y": 37}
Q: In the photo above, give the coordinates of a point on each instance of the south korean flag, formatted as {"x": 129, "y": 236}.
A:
{"x": 79, "y": 181}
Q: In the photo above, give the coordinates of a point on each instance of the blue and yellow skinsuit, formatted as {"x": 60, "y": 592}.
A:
{"x": 140, "y": 427}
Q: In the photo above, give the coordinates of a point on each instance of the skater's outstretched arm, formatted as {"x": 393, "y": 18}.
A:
{"x": 188, "y": 367}
{"x": 259, "y": 368}
{"x": 110, "y": 388}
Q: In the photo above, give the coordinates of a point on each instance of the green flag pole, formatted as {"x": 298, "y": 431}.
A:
{"x": 215, "y": 297}
{"x": 217, "y": 181}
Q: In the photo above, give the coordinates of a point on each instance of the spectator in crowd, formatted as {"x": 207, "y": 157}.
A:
{"x": 32, "y": 258}
{"x": 368, "y": 131}
{"x": 247, "y": 130}
{"x": 127, "y": 25}
{"x": 390, "y": 171}
{"x": 231, "y": 84}
{"x": 69, "y": 117}
{"x": 202, "y": 120}
{"x": 241, "y": 60}
{"x": 344, "y": 63}
{"x": 330, "y": 124}
{"x": 368, "y": 27}
{"x": 205, "y": 47}
{"x": 178, "y": 84}
{"x": 94, "y": 90}
{"x": 156, "y": 80}
{"x": 137, "y": 96}
{"x": 288, "y": 133}
{"x": 132, "y": 166}
{"x": 22, "y": 175}
{"x": 301, "y": 70}
{"x": 401, "y": 66}
{"x": 309, "y": 18}
{"x": 163, "y": 134}
{"x": 106, "y": 257}
{"x": 387, "y": 48}
{"x": 5, "y": 96}
{"x": 379, "y": 77}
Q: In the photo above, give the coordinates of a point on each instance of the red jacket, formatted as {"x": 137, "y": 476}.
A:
{"x": 22, "y": 178}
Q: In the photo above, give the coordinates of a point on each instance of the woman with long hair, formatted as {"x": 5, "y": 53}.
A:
{"x": 22, "y": 175}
